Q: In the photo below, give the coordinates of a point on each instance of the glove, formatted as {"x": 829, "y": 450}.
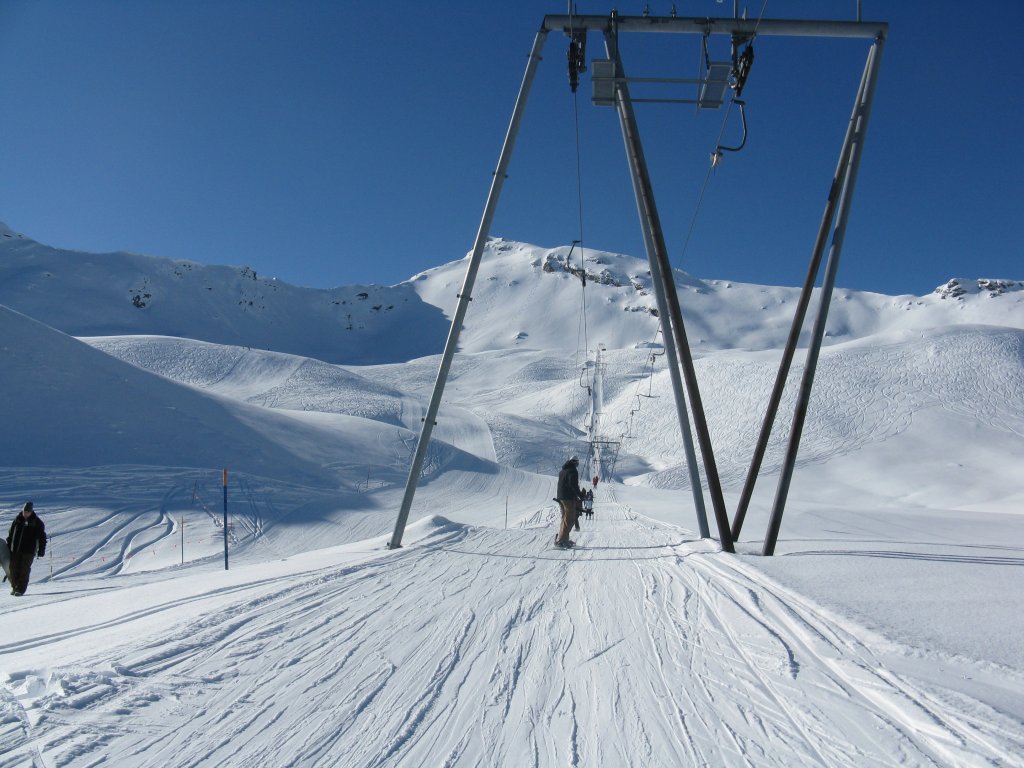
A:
{"x": 42, "y": 551}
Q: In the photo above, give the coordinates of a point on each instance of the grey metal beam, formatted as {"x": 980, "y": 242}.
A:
{"x": 465, "y": 295}
{"x": 672, "y": 361}
{"x": 700, "y": 25}
{"x": 661, "y": 269}
{"x": 861, "y": 113}
{"x": 817, "y": 252}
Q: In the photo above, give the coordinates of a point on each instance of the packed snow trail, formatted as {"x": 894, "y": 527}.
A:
{"x": 473, "y": 647}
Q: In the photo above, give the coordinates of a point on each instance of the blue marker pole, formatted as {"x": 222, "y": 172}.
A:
{"x": 225, "y": 519}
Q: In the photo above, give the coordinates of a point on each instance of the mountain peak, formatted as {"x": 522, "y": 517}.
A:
{"x": 9, "y": 233}
{"x": 958, "y": 287}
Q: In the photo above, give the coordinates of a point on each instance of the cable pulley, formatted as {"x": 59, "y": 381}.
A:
{"x": 577, "y": 57}
{"x": 741, "y": 65}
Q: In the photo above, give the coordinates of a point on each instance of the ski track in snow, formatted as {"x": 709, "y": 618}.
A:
{"x": 869, "y": 393}
{"x": 643, "y": 646}
{"x": 475, "y": 645}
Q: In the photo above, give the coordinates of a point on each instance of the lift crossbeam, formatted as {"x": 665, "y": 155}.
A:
{"x": 700, "y": 25}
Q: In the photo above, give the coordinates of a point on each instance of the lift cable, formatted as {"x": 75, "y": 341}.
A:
{"x": 741, "y": 70}
{"x": 703, "y": 189}
{"x": 576, "y": 64}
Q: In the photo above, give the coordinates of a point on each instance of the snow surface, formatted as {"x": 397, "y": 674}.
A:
{"x": 886, "y": 631}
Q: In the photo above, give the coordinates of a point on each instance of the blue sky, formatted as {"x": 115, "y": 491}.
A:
{"x": 330, "y": 143}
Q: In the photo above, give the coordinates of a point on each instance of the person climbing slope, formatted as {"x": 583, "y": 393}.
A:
{"x": 568, "y": 495}
{"x": 26, "y": 539}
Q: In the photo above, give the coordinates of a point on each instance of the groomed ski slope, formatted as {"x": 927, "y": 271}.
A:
{"x": 885, "y": 632}
{"x": 472, "y": 646}
{"x": 481, "y": 645}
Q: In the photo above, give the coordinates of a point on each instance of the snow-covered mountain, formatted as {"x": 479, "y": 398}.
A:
{"x": 86, "y": 294}
{"x": 532, "y": 317}
{"x": 885, "y": 632}
{"x": 525, "y": 297}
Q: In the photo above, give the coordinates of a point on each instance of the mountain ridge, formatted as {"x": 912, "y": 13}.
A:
{"x": 120, "y": 293}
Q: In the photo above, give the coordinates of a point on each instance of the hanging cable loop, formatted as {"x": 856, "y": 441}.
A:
{"x": 716, "y": 156}
{"x": 584, "y": 382}
{"x": 583, "y": 267}
{"x": 738, "y": 77}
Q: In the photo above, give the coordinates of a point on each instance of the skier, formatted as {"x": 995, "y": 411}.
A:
{"x": 569, "y": 494}
{"x": 26, "y": 538}
{"x": 588, "y": 504}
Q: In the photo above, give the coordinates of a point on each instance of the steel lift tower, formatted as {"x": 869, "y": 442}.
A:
{"x": 603, "y": 450}
{"x": 611, "y": 88}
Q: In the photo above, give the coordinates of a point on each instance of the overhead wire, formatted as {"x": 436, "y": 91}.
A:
{"x": 579, "y": 203}
{"x": 703, "y": 191}
{"x": 713, "y": 165}
{"x": 582, "y": 330}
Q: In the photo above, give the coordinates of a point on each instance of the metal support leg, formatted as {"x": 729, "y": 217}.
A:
{"x": 677, "y": 386}
{"x": 862, "y": 111}
{"x": 661, "y": 271}
{"x": 672, "y": 360}
{"x": 465, "y": 295}
{"x": 838, "y": 180}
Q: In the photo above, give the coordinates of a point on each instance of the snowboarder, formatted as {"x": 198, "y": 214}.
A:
{"x": 569, "y": 494}
{"x": 26, "y": 539}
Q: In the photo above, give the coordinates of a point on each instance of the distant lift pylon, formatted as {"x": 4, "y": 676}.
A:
{"x": 604, "y": 451}
{"x": 611, "y": 89}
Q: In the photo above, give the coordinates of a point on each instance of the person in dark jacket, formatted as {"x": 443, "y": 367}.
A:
{"x": 568, "y": 495}
{"x": 26, "y": 539}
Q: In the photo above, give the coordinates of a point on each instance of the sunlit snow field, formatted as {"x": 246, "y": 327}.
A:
{"x": 885, "y": 631}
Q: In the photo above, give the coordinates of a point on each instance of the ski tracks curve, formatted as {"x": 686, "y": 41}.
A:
{"x": 484, "y": 647}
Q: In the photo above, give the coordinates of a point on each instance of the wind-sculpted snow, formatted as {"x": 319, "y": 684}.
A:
{"x": 641, "y": 647}
{"x": 862, "y": 394}
{"x": 191, "y": 362}
{"x": 263, "y": 378}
